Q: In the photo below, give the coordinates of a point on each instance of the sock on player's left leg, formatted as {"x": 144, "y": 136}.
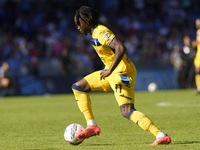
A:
{"x": 143, "y": 121}
{"x": 160, "y": 134}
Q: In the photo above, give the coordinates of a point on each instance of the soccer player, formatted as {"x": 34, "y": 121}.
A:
{"x": 197, "y": 57}
{"x": 119, "y": 75}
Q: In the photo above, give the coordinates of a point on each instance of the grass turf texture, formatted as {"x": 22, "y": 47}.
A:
{"x": 38, "y": 122}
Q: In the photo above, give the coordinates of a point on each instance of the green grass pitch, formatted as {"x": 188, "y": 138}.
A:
{"x": 38, "y": 122}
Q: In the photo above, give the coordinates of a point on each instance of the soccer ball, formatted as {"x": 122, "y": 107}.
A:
{"x": 152, "y": 87}
{"x": 71, "y": 133}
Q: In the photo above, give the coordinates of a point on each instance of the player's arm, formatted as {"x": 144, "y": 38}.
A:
{"x": 195, "y": 43}
{"x": 120, "y": 49}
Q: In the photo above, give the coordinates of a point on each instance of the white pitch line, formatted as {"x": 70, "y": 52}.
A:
{"x": 184, "y": 103}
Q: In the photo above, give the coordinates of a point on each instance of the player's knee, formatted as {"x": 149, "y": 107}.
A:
{"x": 127, "y": 109}
{"x": 82, "y": 86}
{"x": 197, "y": 70}
{"x": 127, "y": 114}
{"x": 124, "y": 114}
{"x": 75, "y": 87}
{"x": 130, "y": 112}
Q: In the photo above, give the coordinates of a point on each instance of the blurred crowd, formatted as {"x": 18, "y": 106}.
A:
{"x": 39, "y": 37}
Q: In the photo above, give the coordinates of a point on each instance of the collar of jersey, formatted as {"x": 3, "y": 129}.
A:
{"x": 92, "y": 31}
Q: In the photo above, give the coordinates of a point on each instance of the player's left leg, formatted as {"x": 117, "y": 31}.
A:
{"x": 145, "y": 123}
{"x": 124, "y": 93}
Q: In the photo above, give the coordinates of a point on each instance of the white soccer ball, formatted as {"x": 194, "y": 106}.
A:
{"x": 71, "y": 133}
{"x": 152, "y": 87}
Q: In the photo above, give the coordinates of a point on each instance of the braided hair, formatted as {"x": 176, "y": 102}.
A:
{"x": 90, "y": 13}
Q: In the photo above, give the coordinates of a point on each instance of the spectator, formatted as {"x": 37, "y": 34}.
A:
{"x": 187, "y": 65}
{"x": 6, "y": 81}
{"x": 175, "y": 59}
{"x": 151, "y": 29}
{"x": 65, "y": 61}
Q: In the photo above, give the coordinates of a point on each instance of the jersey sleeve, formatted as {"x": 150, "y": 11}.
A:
{"x": 106, "y": 38}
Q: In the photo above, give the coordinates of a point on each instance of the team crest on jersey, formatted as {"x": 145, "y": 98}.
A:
{"x": 106, "y": 36}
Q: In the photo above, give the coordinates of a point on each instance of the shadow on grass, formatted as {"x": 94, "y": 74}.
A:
{"x": 185, "y": 142}
{"x": 98, "y": 144}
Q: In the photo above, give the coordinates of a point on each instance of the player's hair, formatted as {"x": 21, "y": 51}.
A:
{"x": 90, "y": 13}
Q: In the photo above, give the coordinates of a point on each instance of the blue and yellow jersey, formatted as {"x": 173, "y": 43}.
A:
{"x": 102, "y": 38}
{"x": 198, "y": 45}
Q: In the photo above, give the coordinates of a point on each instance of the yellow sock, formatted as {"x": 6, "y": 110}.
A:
{"x": 84, "y": 103}
{"x": 144, "y": 122}
{"x": 197, "y": 81}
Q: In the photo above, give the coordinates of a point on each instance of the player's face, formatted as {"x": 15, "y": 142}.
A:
{"x": 82, "y": 25}
{"x": 198, "y": 23}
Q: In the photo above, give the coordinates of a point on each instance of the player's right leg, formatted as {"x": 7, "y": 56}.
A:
{"x": 81, "y": 88}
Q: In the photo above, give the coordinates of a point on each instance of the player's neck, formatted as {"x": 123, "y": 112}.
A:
{"x": 92, "y": 29}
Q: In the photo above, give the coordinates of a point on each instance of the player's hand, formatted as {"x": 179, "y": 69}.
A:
{"x": 104, "y": 73}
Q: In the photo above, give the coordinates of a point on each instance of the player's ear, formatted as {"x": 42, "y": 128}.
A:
{"x": 87, "y": 20}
